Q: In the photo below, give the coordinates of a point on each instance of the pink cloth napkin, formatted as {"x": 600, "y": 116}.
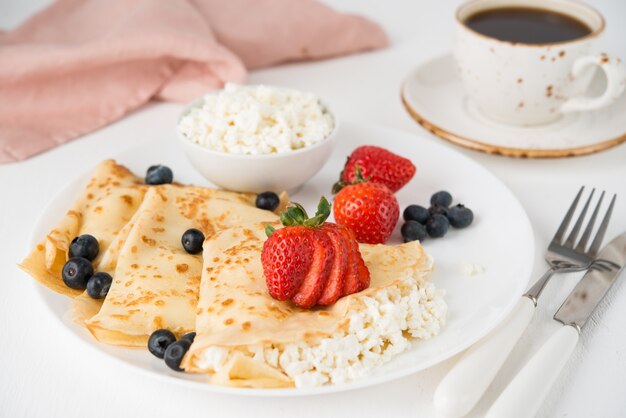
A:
{"x": 81, "y": 64}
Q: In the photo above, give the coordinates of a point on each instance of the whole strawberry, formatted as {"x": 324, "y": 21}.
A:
{"x": 379, "y": 165}
{"x": 369, "y": 209}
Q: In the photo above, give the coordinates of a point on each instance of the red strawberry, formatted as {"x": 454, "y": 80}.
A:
{"x": 364, "y": 274}
{"x": 380, "y": 165}
{"x": 311, "y": 262}
{"x": 287, "y": 256}
{"x": 320, "y": 270}
{"x": 370, "y": 210}
{"x": 297, "y": 259}
{"x": 334, "y": 286}
{"x": 352, "y": 282}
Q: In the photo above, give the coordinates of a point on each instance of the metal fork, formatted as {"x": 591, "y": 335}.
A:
{"x": 568, "y": 256}
{"x": 466, "y": 382}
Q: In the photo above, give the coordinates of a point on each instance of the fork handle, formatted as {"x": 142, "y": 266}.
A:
{"x": 466, "y": 382}
{"x": 534, "y": 292}
{"x": 526, "y": 392}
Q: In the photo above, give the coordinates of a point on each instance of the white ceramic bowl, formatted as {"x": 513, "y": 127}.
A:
{"x": 258, "y": 173}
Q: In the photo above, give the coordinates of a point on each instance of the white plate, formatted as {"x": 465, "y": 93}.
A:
{"x": 433, "y": 94}
{"x": 500, "y": 240}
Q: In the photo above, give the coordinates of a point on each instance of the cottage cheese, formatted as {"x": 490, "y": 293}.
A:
{"x": 391, "y": 319}
{"x": 471, "y": 269}
{"x": 257, "y": 120}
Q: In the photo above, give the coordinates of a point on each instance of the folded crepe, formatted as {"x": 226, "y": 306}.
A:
{"x": 236, "y": 313}
{"x": 104, "y": 209}
{"x": 155, "y": 281}
{"x": 108, "y": 202}
{"x": 139, "y": 229}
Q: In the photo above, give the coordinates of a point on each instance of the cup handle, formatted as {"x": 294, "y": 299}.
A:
{"x": 615, "y": 82}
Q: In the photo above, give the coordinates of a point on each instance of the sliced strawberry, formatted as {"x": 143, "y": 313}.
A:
{"x": 286, "y": 258}
{"x": 352, "y": 282}
{"x": 364, "y": 273}
{"x": 319, "y": 271}
{"x": 311, "y": 262}
{"x": 334, "y": 286}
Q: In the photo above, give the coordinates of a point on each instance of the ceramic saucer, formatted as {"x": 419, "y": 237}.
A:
{"x": 433, "y": 96}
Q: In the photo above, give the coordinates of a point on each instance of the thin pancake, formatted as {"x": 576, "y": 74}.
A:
{"x": 156, "y": 281}
{"x": 104, "y": 209}
{"x": 107, "y": 203}
{"x": 235, "y": 310}
{"x": 245, "y": 372}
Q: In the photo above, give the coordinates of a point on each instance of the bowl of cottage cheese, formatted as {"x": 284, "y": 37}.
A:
{"x": 257, "y": 138}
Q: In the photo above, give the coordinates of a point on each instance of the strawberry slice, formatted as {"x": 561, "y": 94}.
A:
{"x": 364, "y": 273}
{"x": 334, "y": 286}
{"x": 352, "y": 281}
{"x": 319, "y": 271}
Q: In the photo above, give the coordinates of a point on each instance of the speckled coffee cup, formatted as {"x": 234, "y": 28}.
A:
{"x": 530, "y": 84}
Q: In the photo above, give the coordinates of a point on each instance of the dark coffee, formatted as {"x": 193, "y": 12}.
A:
{"x": 527, "y": 26}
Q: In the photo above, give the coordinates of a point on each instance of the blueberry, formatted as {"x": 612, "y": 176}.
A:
{"x": 192, "y": 241}
{"x": 85, "y": 246}
{"x": 267, "y": 201}
{"x": 416, "y": 213}
{"x": 159, "y": 341}
{"x": 190, "y": 336}
{"x": 437, "y": 226}
{"x": 437, "y": 210}
{"x": 159, "y": 174}
{"x": 441, "y": 198}
{"x": 174, "y": 354}
{"x": 98, "y": 285}
{"x": 412, "y": 231}
{"x": 76, "y": 272}
{"x": 460, "y": 216}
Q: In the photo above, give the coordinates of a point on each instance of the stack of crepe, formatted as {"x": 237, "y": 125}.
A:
{"x": 139, "y": 229}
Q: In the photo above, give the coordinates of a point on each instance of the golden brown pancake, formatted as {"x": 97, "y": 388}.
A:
{"x": 235, "y": 311}
{"x": 139, "y": 229}
{"x": 155, "y": 282}
{"x": 103, "y": 208}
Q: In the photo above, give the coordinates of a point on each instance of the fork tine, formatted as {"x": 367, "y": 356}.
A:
{"x": 571, "y": 239}
{"x": 597, "y": 241}
{"x": 558, "y": 237}
{"x": 582, "y": 244}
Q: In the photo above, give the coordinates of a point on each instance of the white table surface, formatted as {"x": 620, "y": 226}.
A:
{"x": 43, "y": 373}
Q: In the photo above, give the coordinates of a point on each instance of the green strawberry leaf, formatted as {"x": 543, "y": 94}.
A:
{"x": 322, "y": 213}
{"x": 301, "y": 212}
{"x": 323, "y": 208}
{"x": 338, "y": 186}
{"x": 287, "y": 219}
{"x": 269, "y": 230}
{"x": 359, "y": 176}
{"x": 297, "y": 215}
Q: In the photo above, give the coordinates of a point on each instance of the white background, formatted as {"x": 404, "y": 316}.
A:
{"x": 45, "y": 373}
